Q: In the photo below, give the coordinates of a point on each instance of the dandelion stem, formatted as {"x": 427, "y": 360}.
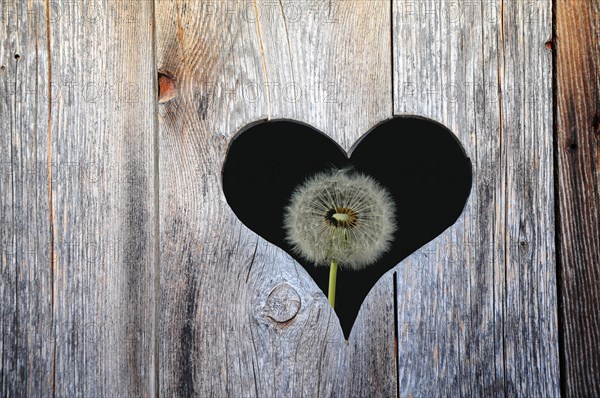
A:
{"x": 332, "y": 281}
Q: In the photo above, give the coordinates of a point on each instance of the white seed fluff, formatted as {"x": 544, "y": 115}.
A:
{"x": 340, "y": 215}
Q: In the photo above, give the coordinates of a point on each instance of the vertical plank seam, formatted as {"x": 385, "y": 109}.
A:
{"x": 396, "y": 350}
{"x": 476, "y": 198}
{"x": 392, "y": 54}
{"x": 50, "y": 199}
{"x": 262, "y": 56}
{"x": 439, "y": 281}
{"x": 156, "y": 326}
{"x": 395, "y": 274}
{"x": 14, "y": 240}
{"x": 563, "y": 386}
{"x": 505, "y": 183}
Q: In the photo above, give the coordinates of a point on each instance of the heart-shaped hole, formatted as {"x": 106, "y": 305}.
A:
{"x": 420, "y": 162}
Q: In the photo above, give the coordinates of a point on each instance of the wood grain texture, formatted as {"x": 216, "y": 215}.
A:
{"x": 238, "y": 316}
{"x": 27, "y": 348}
{"x": 77, "y": 199}
{"x": 477, "y": 306}
{"x": 577, "y": 45}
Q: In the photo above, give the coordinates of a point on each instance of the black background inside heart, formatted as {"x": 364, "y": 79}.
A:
{"x": 420, "y": 162}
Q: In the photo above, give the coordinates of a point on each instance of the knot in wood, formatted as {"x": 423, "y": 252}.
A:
{"x": 283, "y": 303}
{"x": 166, "y": 88}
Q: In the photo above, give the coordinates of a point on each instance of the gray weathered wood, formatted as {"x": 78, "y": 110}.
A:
{"x": 577, "y": 148}
{"x": 477, "y": 306}
{"x": 27, "y": 349}
{"x": 219, "y": 334}
{"x": 77, "y": 199}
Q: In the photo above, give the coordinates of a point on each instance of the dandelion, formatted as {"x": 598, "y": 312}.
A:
{"x": 340, "y": 217}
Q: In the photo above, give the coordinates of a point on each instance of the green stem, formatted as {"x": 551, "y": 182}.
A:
{"x": 332, "y": 281}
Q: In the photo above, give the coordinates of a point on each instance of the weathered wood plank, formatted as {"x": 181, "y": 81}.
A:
{"x": 577, "y": 45}
{"x": 327, "y": 64}
{"x": 484, "y": 292}
{"x": 106, "y": 276}
{"x": 238, "y": 316}
{"x": 26, "y": 350}
{"x": 345, "y": 55}
{"x": 79, "y": 200}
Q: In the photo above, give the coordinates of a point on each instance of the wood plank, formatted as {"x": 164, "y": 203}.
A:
{"x": 577, "y": 44}
{"x": 484, "y": 292}
{"x": 223, "y": 289}
{"x": 26, "y": 350}
{"x": 81, "y": 200}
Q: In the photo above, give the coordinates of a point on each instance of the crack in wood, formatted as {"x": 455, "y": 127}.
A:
{"x": 262, "y": 56}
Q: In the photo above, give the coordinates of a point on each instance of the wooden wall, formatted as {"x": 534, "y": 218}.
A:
{"x": 125, "y": 273}
{"x": 577, "y": 169}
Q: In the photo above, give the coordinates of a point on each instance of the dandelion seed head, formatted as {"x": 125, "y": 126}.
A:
{"x": 340, "y": 215}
